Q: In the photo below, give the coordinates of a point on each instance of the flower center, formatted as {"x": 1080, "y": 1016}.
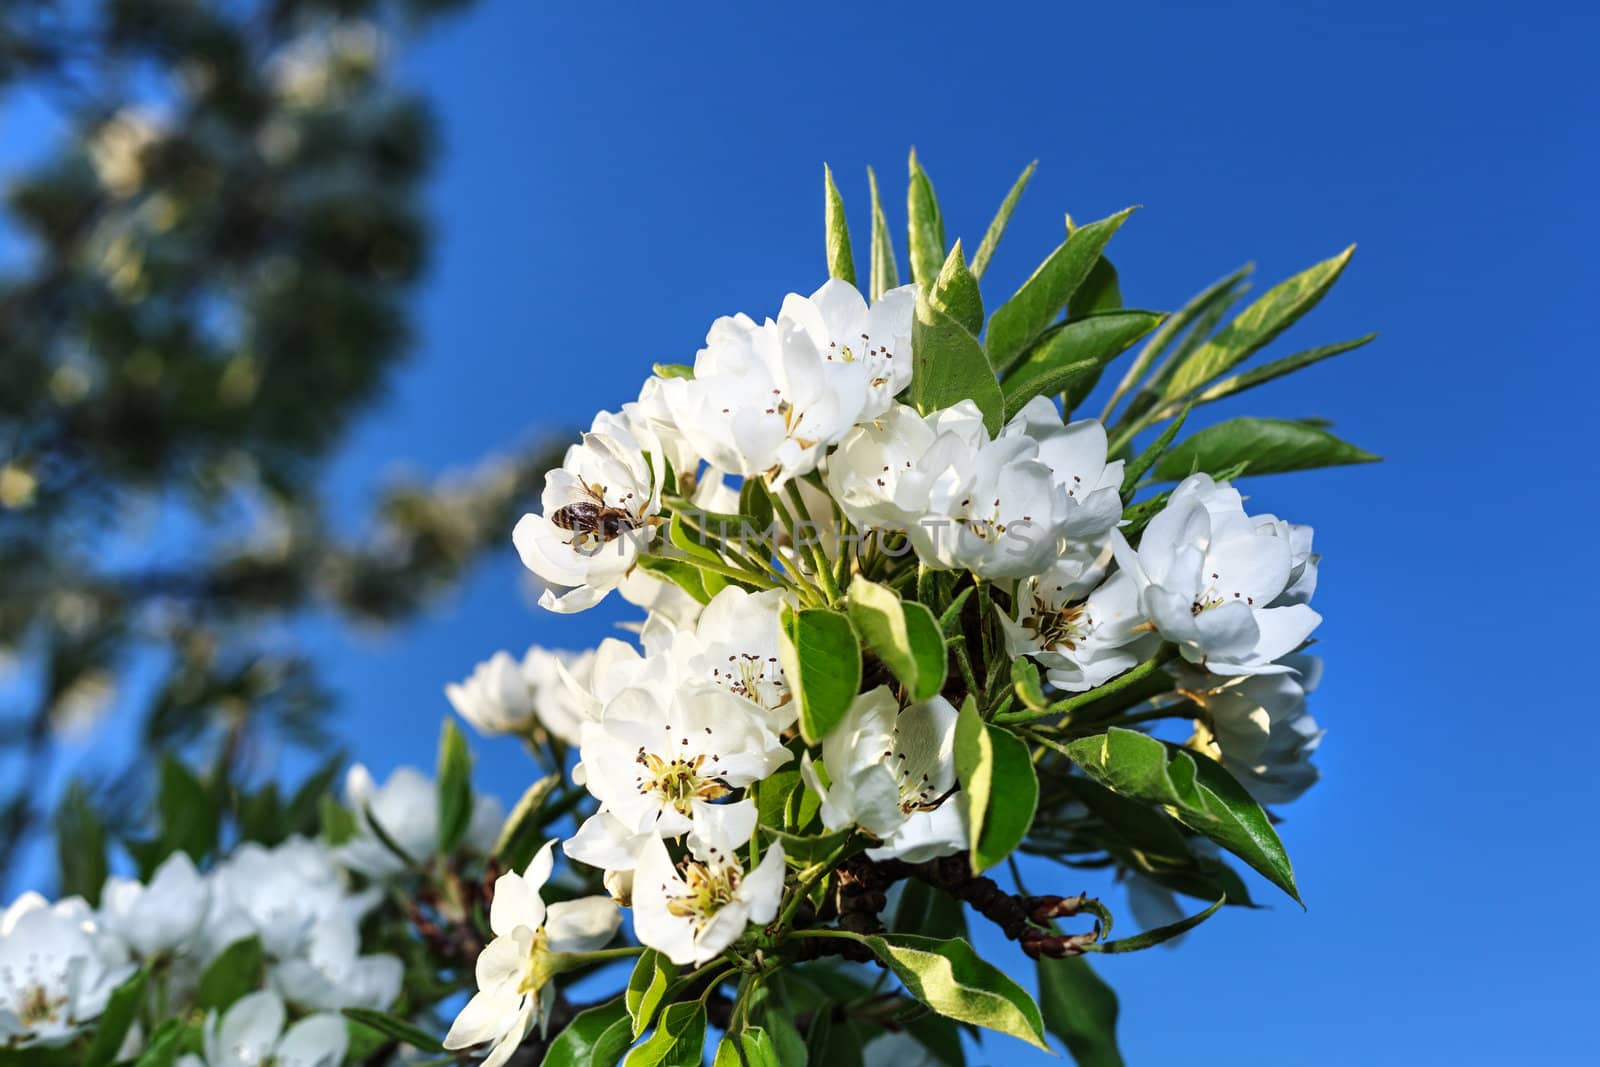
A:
{"x": 678, "y": 781}
{"x": 708, "y": 890}
{"x": 756, "y": 678}
{"x": 37, "y": 1006}
{"x": 536, "y": 971}
{"x": 1058, "y": 626}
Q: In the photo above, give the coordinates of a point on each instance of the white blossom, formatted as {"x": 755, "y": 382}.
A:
{"x": 161, "y": 917}
{"x": 406, "y": 806}
{"x": 693, "y": 909}
{"x": 331, "y": 973}
{"x": 57, "y": 970}
{"x": 495, "y": 698}
{"x": 1261, "y": 728}
{"x": 885, "y": 763}
{"x": 558, "y": 681}
{"x": 1083, "y": 628}
{"x": 251, "y": 1034}
{"x": 1213, "y": 580}
{"x": 769, "y": 398}
{"x": 599, "y": 511}
{"x": 514, "y": 970}
{"x": 278, "y": 895}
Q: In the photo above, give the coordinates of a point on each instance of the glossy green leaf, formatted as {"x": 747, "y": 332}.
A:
{"x": 522, "y": 834}
{"x": 841, "y": 264}
{"x": 998, "y": 786}
{"x": 1002, "y": 217}
{"x": 121, "y": 1010}
{"x": 237, "y": 971}
{"x": 751, "y": 1047}
{"x": 392, "y": 1026}
{"x": 1255, "y": 327}
{"x": 455, "y": 786}
{"x": 1238, "y": 383}
{"x": 1025, "y": 683}
{"x": 955, "y": 292}
{"x": 1015, "y": 324}
{"x": 697, "y": 546}
{"x": 950, "y": 978}
{"x": 1197, "y": 791}
{"x": 821, "y": 658}
{"x": 903, "y": 634}
{"x": 1151, "y": 938}
{"x": 1081, "y": 1010}
{"x": 1142, "y": 825}
{"x": 651, "y": 978}
{"x": 166, "y": 1041}
{"x": 925, "y": 224}
{"x": 1070, "y": 357}
{"x": 885, "y": 275}
{"x": 678, "y": 1039}
{"x": 596, "y": 1037}
{"x": 189, "y": 816}
{"x": 679, "y": 572}
{"x": 949, "y": 366}
{"x": 1100, "y": 291}
{"x": 1264, "y": 446}
{"x": 804, "y": 849}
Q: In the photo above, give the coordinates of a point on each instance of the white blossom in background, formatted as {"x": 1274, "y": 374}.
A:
{"x": 885, "y": 763}
{"x": 251, "y": 1034}
{"x": 693, "y": 909}
{"x": 58, "y": 969}
{"x": 514, "y": 970}
{"x": 1261, "y": 728}
{"x": 495, "y": 698}
{"x": 279, "y": 894}
{"x": 161, "y": 917}
{"x": 557, "y": 680}
{"x": 598, "y": 508}
{"x": 406, "y": 806}
{"x": 331, "y": 973}
{"x": 1213, "y": 580}
{"x": 1002, "y": 507}
{"x": 655, "y": 762}
{"x": 1083, "y": 628}
{"x": 768, "y": 399}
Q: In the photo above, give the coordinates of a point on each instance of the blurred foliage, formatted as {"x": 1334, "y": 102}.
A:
{"x": 218, "y": 257}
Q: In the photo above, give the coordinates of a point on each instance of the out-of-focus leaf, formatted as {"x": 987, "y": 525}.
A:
{"x": 392, "y": 1026}
{"x": 1081, "y": 1010}
{"x": 455, "y": 787}
{"x": 237, "y": 971}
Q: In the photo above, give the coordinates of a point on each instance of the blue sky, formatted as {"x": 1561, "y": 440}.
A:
{"x": 617, "y": 176}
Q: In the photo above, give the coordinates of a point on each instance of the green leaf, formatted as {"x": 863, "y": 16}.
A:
{"x": 672, "y": 370}
{"x": 80, "y": 845}
{"x": 455, "y": 787}
{"x": 997, "y": 228}
{"x": 1151, "y": 938}
{"x": 1100, "y": 291}
{"x": 955, "y": 292}
{"x": 1025, "y": 681}
{"x": 821, "y": 657}
{"x": 647, "y": 985}
{"x": 1267, "y": 446}
{"x": 596, "y": 1037}
{"x": 998, "y": 786}
{"x": 1238, "y": 383}
{"x": 1193, "y": 320}
{"x": 337, "y": 823}
{"x": 928, "y": 911}
{"x": 302, "y": 814}
{"x": 751, "y": 1047}
{"x": 1256, "y": 326}
{"x": 926, "y": 226}
{"x": 1141, "y": 825}
{"x": 903, "y": 634}
{"x": 237, "y": 971}
{"x": 1071, "y": 356}
{"x": 697, "y": 546}
{"x": 1197, "y": 791}
{"x": 757, "y": 504}
{"x": 1081, "y": 1010}
{"x": 164, "y": 1045}
{"x": 841, "y": 264}
{"x": 885, "y": 275}
{"x": 112, "y": 1029}
{"x": 521, "y": 836}
{"x": 802, "y": 850}
{"x": 1016, "y": 323}
{"x": 1147, "y": 459}
{"x": 950, "y": 978}
{"x": 392, "y": 1026}
{"x": 949, "y": 366}
{"x": 678, "y": 1040}
{"x": 189, "y": 817}
{"x": 679, "y": 572}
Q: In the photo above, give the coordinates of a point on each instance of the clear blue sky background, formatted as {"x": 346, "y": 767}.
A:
{"x": 618, "y": 176}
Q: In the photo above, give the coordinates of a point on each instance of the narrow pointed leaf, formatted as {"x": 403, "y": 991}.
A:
{"x": 119, "y": 1015}
{"x": 1256, "y": 326}
{"x": 1174, "y": 327}
{"x": 1151, "y": 938}
{"x": 1196, "y": 790}
{"x": 841, "y": 264}
{"x": 1016, "y": 323}
{"x": 237, "y": 971}
{"x": 1081, "y": 1010}
{"x": 1141, "y": 463}
{"x": 520, "y": 836}
{"x": 955, "y": 292}
{"x": 997, "y": 228}
{"x": 925, "y": 226}
{"x": 885, "y": 275}
{"x": 395, "y": 1027}
{"x": 1267, "y": 446}
{"x": 455, "y": 787}
{"x": 1238, "y": 383}
{"x": 950, "y": 366}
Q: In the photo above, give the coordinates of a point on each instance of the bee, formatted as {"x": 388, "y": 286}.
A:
{"x": 593, "y": 519}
